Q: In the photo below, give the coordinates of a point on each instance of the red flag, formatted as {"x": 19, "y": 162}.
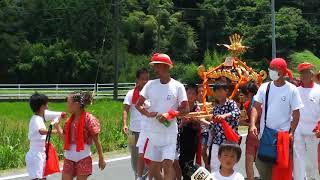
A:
{"x": 52, "y": 162}
{"x": 229, "y": 133}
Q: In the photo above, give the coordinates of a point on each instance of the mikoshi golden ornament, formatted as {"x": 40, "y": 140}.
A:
{"x": 234, "y": 70}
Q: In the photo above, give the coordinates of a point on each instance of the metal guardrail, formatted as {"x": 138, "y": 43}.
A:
{"x": 60, "y": 91}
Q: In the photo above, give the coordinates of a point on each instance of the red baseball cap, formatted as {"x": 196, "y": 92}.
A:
{"x": 158, "y": 58}
{"x": 305, "y": 66}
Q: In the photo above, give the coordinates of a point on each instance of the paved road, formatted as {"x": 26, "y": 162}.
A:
{"x": 120, "y": 169}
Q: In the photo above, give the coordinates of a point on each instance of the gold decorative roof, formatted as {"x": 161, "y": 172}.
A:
{"x": 237, "y": 71}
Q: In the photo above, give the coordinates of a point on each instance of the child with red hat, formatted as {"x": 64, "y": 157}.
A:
{"x": 165, "y": 95}
{"x": 305, "y": 141}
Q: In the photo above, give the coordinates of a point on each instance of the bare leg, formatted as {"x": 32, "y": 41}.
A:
{"x": 249, "y": 167}
{"x": 82, "y": 177}
{"x": 154, "y": 170}
{"x": 177, "y": 170}
{"x": 66, "y": 176}
{"x": 168, "y": 169}
{"x": 140, "y": 165}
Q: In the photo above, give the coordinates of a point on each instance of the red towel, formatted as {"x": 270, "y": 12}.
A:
{"x": 229, "y": 133}
{"x": 79, "y": 133}
{"x": 283, "y": 168}
{"x": 52, "y": 162}
{"x": 135, "y": 96}
{"x": 172, "y": 114}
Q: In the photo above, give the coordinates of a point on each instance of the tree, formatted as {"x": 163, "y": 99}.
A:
{"x": 11, "y": 37}
{"x": 57, "y": 63}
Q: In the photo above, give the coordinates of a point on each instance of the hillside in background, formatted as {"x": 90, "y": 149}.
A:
{"x": 66, "y": 41}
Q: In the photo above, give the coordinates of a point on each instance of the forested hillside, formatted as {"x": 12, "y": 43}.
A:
{"x": 61, "y": 41}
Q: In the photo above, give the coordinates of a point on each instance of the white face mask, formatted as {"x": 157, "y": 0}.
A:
{"x": 274, "y": 75}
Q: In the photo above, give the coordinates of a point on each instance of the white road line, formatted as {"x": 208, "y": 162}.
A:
{"x": 94, "y": 163}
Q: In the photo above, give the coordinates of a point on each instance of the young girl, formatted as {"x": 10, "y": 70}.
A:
{"x": 80, "y": 131}
{"x": 225, "y": 109}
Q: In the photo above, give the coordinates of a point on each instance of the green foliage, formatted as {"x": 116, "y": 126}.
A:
{"x": 300, "y": 57}
{"x": 130, "y": 64}
{"x": 53, "y": 64}
{"x": 186, "y": 73}
{"x": 14, "y": 142}
{"x": 35, "y": 33}
{"x": 213, "y": 59}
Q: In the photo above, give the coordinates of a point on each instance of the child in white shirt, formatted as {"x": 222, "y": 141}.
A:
{"x": 229, "y": 154}
{"x": 35, "y": 158}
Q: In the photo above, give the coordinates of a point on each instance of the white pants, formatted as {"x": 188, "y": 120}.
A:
{"x": 214, "y": 161}
{"x": 305, "y": 157}
{"x": 35, "y": 161}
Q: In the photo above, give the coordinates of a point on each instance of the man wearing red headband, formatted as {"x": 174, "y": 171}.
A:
{"x": 165, "y": 94}
{"x": 305, "y": 141}
{"x": 283, "y": 114}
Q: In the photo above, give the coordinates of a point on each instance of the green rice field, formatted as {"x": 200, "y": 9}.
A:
{"x": 15, "y": 118}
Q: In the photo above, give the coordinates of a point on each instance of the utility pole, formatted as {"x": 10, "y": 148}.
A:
{"x": 273, "y": 19}
{"x": 115, "y": 48}
{"x": 158, "y": 35}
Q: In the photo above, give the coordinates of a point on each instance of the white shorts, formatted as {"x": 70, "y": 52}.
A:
{"x": 141, "y": 142}
{"x": 35, "y": 161}
{"x": 160, "y": 153}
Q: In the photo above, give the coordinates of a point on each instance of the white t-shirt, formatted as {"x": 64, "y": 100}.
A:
{"x": 163, "y": 97}
{"x": 310, "y": 113}
{"x": 282, "y": 102}
{"x": 137, "y": 120}
{"x": 37, "y": 141}
{"x": 235, "y": 176}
